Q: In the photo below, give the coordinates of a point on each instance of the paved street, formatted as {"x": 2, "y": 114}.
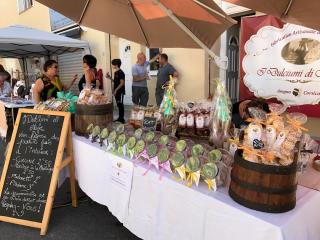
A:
{"x": 89, "y": 221}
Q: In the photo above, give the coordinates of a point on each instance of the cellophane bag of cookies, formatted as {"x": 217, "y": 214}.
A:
{"x": 93, "y": 97}
{"x": 220, "y": 118}
{"x": 168, "y": 110}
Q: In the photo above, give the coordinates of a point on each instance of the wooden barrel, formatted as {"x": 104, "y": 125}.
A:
{"x": 98, "y": 115}
{"x": 265, "y": 188}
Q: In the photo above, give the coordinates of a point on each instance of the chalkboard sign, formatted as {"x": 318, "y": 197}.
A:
{"x": 30, "y": 173}
{"x": 149, "y": 123}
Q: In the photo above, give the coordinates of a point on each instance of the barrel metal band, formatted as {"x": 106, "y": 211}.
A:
{"x": 279, "y": 170}
{"x": 252, "y": 187}
{"x": 95, "y": 112}
{"x": 261, "y": 207}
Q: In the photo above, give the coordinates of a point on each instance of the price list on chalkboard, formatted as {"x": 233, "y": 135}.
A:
{"x": 26, "y": 186}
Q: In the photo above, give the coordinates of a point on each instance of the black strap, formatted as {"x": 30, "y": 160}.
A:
{"x": 268, "y": 190}
{"x": 271, "y": 169}
{"x": 101, "y": 110}
{"x": 262, "y": 207}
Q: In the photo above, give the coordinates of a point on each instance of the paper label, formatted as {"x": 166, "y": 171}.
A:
{"x": 206, "y": 120}
{"x": 121, "y": 173}
{"x": 200, "y": 121}
{"x": 134, "y": 115}
{"x": 182, "y": 120}
{"x": 233, "y": 148}
{"x": 190, "y": 120}
{"x": 140, "y": 115}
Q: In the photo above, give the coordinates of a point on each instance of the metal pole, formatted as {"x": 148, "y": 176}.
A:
{"x": 111, "y": 74}
{"x": 25, "y": 70}
{"x": 83, "y": 12}
{"x": 139, "y": 24}
{"x": 285, "y": 13}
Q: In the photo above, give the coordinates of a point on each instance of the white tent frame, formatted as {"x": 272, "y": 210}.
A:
{"x": 21, "y": 42}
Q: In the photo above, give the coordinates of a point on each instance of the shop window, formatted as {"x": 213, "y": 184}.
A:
{"x": 23, "y": 5}
{"x": 150, "y": 53}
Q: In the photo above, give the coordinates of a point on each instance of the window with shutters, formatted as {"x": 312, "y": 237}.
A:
{"x": 23, "y": 5}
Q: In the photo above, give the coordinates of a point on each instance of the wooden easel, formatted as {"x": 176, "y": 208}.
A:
{"x": 65, "y": 146}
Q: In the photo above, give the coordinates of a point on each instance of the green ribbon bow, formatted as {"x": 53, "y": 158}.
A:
{"x": 68, "y": 96}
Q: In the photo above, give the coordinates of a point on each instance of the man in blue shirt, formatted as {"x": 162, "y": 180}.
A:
{"x": 140, "y": 93}
{"x": 164, "y": 72}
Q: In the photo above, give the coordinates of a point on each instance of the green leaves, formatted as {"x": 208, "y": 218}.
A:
{"x": 181, "y": 145}
{"x": 214, "y": 156}
{"x": 112, "y": 137}
{"x": 149, "y": 137}
{"x": 197, "y": 150}
{"x": 193, "y": 164}
{"x": 177, "y": 160}
{"x": 131, "y": 143}
{"x": 139, "y": 147}
{"x": 164, "y": 140}
{"x": 121, "y": 140}
{"x": 152, "y": 150}
{"x": 163, "y": 155}
{"x": 138, "y": 133}
{"x": 209, "y": 171}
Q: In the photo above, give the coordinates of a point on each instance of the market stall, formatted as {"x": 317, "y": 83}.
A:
{"x": 161, "y": 187}
{"x": 179, "y": 172}
{"x": 23, "y": 42}
{"x": 166, "y": 209}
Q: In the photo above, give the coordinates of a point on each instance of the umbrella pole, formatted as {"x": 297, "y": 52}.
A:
{"x": 111, "y": 71}
{"x": 285, "y": 13}
{"x": 222, "y": 62}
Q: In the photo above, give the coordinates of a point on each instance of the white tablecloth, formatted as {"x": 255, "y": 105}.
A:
{"x": 166, "y": 209}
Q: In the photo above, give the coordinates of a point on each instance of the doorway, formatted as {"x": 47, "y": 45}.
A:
{"x": 232, "y": 83}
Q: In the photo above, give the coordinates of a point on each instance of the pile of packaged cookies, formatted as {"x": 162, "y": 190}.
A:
{"x": 93, "y": 97}
{"x": 194, "y": 118}
{"x": 272, "y": 138}
{"x": 53, "y": 105}
{"x": 138, "y": 113}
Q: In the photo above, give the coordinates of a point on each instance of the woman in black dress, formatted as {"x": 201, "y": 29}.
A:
{"x": 89, "y": 78}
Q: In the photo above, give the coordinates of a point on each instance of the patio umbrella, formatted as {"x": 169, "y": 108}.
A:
{"x": 154, "y": 23}
{"x": 301, "y": 12}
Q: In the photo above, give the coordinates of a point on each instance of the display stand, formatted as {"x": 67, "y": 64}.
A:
{"x": 62, "y": 148}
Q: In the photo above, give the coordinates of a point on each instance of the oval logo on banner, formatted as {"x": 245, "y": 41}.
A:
{"x": 301, "y": 51}
{"x": 284, "y": 63}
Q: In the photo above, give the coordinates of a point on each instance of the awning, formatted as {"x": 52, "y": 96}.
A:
{"x": 20, "y": 42}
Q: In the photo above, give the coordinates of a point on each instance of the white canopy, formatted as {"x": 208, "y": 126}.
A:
{"x": 20, "y": 42}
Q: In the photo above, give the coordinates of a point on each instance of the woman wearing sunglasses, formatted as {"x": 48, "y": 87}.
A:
{"x": 49, "y": 84}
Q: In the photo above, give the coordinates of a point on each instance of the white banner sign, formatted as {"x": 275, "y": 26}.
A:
{"x": 284, "y": 63}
